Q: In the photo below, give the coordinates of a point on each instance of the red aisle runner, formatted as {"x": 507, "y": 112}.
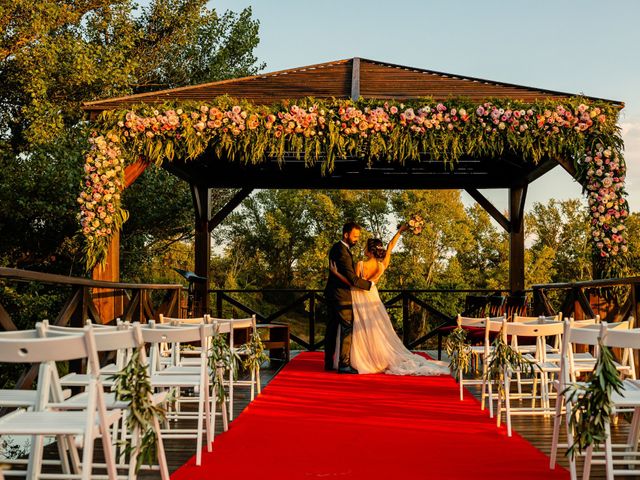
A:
{"x": 314, "y": 424}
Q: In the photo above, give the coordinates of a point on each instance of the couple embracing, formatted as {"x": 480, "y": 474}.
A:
{"x": 360, "y": 337}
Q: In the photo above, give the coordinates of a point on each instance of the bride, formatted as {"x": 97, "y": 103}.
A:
{"x": 375, "y": 346}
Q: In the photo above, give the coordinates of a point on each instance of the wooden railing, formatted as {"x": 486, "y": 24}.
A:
{"x": 137, "y": 302}
{"x": 611, "y": 299}
{"x": 308, "y": 304}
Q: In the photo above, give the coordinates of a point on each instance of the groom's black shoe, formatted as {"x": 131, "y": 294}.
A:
{"x": 348, "y": 369}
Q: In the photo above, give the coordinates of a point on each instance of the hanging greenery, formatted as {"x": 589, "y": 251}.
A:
{"x": 459, "y": 352}
{"x": 132, "y": 385}
{"x": 254, "y": 352}
{"x": 320, "y": 131}
{"x": 592, "y": 405}
{"x": 504, "y": 358}
{"x": 222, "y": 357}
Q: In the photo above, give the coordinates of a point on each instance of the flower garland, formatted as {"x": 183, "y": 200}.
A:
{"x": 322, "y": 130}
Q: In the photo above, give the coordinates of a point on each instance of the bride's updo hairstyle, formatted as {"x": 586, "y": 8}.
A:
{"x": 376, "y": 248}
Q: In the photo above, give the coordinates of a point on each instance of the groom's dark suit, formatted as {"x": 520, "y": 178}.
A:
{"x": 339, "y": 305}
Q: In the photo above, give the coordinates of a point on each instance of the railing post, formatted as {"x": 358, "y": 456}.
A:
{"x": 219, "y": 304}
{"x": 312, "y": 322}
{"x": 405, "y": 319}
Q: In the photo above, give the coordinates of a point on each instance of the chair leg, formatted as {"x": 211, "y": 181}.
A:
{"x": 35, "y": 457}
{"x": 162, "y": 458}
{"x": 507, "y": 401}
{"x": 556, "y": 432}
{"x": 461, "y": 389}
{"x": 199, "y": 429}
{"x": 490, "y": 388}
{"x": 61, "y": 443}
{"x": 253, "y": 384}
{"x": 258, "y": 381}
{"x": 608, "y": 454}
{"x": 87, "y": 450}
{"x": 586, "y": 470}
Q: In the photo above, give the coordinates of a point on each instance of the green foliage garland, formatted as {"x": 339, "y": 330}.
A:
{"x": 221, "y": 356}
{"x": 132, "y": 385}
{"x": 254, "y": 351}
{"x": 592, "y": 403}
{"x": 320, "y": 131}
{"x": 504, "y": 358}
{"x": 459, "y": 352}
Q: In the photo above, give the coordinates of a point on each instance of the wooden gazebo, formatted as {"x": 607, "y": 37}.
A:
{"x": 351, "y": 78}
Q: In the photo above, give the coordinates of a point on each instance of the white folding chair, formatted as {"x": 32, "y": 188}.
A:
{"x": 155, "y": 336}
{"x": 571, "y": 337}
{"x": 254, "y": 382}
{"x": 88, "y": 424}
{"x": 541, "y": 370}
{"x": 620, "y": 459}
{"x": 123, "y": 338}
{"x": 482, "y": 353}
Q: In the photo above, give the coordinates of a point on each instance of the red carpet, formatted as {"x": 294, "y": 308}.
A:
{"x": 314, "y": 424}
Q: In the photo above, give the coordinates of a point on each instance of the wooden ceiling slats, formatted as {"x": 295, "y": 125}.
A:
{"x": 377, "y": 80}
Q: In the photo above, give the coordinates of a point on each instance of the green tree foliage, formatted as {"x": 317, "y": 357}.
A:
{"x": 56, "y": 54}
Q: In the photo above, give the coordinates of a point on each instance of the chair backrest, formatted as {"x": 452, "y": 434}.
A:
{"x": 184, "y": 321}
{"x": 471, "y": 321}
{"x": 34, "y": 349}
{"x": 532, "y": 329}
{"x": 238, "y": 323}
{"x": 170, "y": 334}
{"x": 620, "y": 337}
{"x": 116, "y": 340}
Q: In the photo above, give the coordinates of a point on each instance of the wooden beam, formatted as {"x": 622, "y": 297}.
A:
{"x": 5, "y": 320}
{"x": 544, "y": 167}
{"x": 517, "y": 217}
{"x": 228, "y": 208}
{"x": 202, "y": 203}
{"x": 355, "y": 78}
{"x": 490, "y": 208}
{"x": 516, "y": 239}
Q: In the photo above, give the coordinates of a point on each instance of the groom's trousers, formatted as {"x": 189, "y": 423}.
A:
{"x": 340, "y": 320}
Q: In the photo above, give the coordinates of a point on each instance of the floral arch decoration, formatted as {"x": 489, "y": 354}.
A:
{"x": 320, "y": 131}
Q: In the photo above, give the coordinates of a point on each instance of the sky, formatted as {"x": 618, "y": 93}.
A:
{"x": 583, "y": 47}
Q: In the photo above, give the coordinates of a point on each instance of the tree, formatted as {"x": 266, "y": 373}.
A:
{"x": 56, "y": 54}
{"x": 560, "y": 241}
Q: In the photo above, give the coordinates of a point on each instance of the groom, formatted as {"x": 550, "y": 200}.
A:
{"x": 338, "y": 295}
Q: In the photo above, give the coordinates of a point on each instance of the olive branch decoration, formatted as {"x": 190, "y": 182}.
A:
{"x": 132, "y": 385}
{"x": 222, "y": 357}
{"x": 504, "y": 357}
{"x": 459, "y": 352}
{"x": 592, "y": 403}
{"x": 254, "y": 351}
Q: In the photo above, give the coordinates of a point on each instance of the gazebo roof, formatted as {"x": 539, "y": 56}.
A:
{"x": 348, "y": 78}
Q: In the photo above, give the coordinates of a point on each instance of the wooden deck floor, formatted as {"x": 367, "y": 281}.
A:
{"x": 535, "y": 429}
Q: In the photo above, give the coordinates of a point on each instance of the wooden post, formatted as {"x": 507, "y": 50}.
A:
{"x": 517, "y": 196}
{"x": 202, "y": 204}
{"x": 110, "y": 303}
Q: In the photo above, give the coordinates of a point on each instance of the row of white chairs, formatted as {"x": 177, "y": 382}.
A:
{"x": 560, "y": 353}
{"x": 76, "y": 421}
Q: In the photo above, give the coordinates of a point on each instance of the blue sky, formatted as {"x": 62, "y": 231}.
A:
{"x": 577, "y": 46}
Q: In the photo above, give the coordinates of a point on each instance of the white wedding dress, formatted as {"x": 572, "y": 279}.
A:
{"x": 375, "y": 345}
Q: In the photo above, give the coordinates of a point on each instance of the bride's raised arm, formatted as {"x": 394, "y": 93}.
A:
{"x": 392, "y": 244}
